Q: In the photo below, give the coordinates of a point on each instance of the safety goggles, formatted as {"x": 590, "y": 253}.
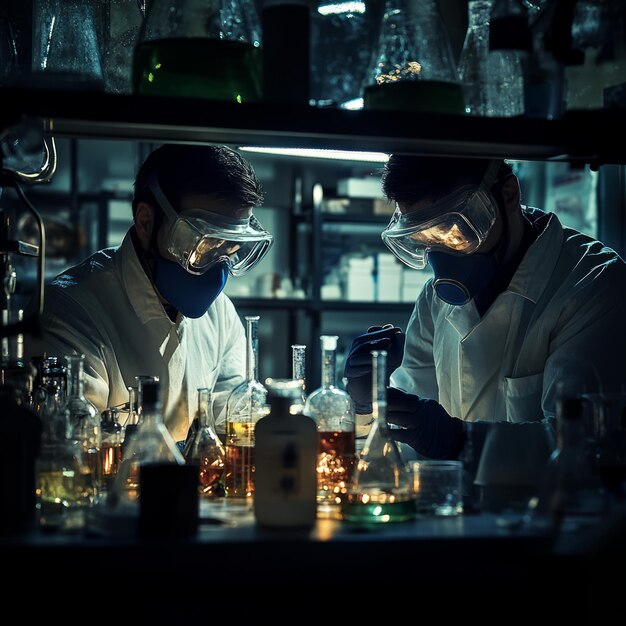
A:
{"x": 199, "y": 239}
{"x": 459, "y": 223}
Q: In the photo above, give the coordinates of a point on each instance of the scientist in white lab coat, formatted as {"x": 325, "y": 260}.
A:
{"x": 154, "y": 305}
{"x": 520, "y": 309}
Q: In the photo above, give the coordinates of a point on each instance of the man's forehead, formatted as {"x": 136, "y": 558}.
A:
{"x": 210, "y": 202}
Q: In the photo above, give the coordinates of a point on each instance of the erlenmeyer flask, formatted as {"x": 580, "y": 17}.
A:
{"x": 246, "y": 405}
{"x": 333, "y": 412}
{"x": 206, "y": 449}
{"x": 298, "y": 372}
{"x": 413, "y": 65}
{"x": 381, "y": 489}
{"x": 493, "y": 81}
{"x": 200, "y": 48}
{"x": 151, "y": 444}
{"x": 66, "y": 46}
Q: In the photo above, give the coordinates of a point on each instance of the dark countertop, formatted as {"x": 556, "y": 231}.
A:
{"x": 456, "y": 559}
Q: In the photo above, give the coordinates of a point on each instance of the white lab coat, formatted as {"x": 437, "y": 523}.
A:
{"x": 106, "y": 308}
{"x": 561, "y": 320}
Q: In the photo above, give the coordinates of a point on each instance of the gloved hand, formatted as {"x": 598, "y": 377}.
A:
{"x": 358, "y": 367}
{"x": 427, "y": 427}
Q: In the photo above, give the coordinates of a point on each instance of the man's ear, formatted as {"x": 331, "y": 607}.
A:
{"x": 510, "y": 191}
{"x": 144, "y": 223}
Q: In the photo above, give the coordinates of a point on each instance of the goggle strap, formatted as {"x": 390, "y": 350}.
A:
{"x": 157, "y": 192}
{"x": 491, "y": 174}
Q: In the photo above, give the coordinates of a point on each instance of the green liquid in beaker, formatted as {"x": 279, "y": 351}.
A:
{"x": 198, "y": 68}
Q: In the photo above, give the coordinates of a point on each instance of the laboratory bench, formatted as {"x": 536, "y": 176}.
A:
{"x": 476, "y": 565}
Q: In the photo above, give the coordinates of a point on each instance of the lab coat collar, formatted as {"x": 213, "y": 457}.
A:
{"x": 531, "y": 277}
{"x": 139, "y": 288}
{"x": 537, "y": 266}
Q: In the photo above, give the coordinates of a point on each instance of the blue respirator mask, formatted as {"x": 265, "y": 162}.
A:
{"x": 447, "y": 235}
{"x": 207, "y": 247}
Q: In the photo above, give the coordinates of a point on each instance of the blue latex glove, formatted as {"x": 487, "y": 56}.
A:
{"x": 358, "y": 367}
{"x": 427, "y": 427}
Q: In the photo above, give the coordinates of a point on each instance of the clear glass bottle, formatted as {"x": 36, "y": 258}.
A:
{"x": 132, "y": 421}
{"x": 206, "y": 449}
{"x": 83, "y": 416}
{"x": 111, "y": 449}
{"x": 381, "y": 489}
{"x": 493, "y": 80}
{"x": 414, "y": 68}
{"x": 333, "y": 411}
{"x": 569, "y": 486}
{"x": 152, "y": 443}
{"x": 64, "y": 482}
{"x": 246, "y": 405}
{"x": 298, "y": 372}
{"x": 66, "y": 45}
{"x": 200, "y": 48}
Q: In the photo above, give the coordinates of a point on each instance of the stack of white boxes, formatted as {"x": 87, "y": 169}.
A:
{"x": 389, "y": 278}
{"x": 413, "y": 281}
{"x": 358, "y": 278}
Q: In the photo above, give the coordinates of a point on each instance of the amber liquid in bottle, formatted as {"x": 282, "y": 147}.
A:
{"x": 239, "y": 476}
{"x": 335, "y": 463}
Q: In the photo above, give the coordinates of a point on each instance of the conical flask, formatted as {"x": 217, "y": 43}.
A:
{"x": 413, "y": 67}
{"x": 333, "y": 412}
{"x": 206, "y": 450}
{"x": 246, "y": 405}
{"x": 66, "y": 46}
{"x": 381, "y": 489}
{"x": 151, "y": 443}
{"x": 200, "y": 48}
{"x": 493, "y": 80}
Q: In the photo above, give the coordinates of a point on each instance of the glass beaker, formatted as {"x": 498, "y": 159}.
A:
{"x": 200, "y": 48}
{"x": 493, "y": 81}
{"x": 246, "y": 405}
{"x": 206, "y": 449}
{"x": 66, "y": 46}
{"x": 413, "y": 66}
{"x": 381, "y": 489}
{"x": 333, "y": 412}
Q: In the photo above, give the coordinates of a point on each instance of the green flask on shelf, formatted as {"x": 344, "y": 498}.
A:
{"x": 200, "y": 49}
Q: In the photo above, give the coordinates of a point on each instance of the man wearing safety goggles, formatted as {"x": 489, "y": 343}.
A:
{"x": 155, "y": 304}
{"x": 519, "y": 304}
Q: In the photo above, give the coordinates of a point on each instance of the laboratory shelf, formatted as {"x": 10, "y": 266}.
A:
{"x": 579, "y": 136}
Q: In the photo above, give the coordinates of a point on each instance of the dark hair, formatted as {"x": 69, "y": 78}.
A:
{"x": 183, "y": 169}
{"x": 410, "y": 178}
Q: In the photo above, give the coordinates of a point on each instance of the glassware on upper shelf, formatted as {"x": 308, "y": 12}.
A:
{"x": 298, "y": 372}
{"x": 151, "y": 443}
{"x": 206, "y": 449}
{"x": 333, "y": 412}
{"x": 381, "y": 489}
{"x": 200, "y": 48}
{"x": 493, "y": 81}
{"x": 66, "y": 46}
{"x": 413, "y": 68}
{"x": 246, "y": 404}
